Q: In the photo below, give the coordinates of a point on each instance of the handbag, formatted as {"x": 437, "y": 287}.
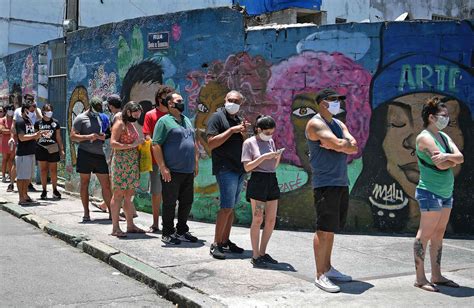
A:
{"x": 51, "y": 148}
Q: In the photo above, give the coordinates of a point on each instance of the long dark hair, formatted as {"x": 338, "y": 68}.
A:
{"x": 264, "y": 122}
{"x": 132, "y": 107}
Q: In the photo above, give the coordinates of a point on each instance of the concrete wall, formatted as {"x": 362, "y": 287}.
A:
{"x": 29, "y": 22}
{"x": 358, "y": 10}
{"x": 279, "y": 71}
{"x": 94, "y": 13}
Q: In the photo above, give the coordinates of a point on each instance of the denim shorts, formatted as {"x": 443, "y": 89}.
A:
{"x": 230, "y": 185}
{"x": 429, "y": 201}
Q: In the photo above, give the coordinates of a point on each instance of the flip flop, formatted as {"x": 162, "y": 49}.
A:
{"x": 86, "y": 219}
{"x": 154, "y": 230}
{"x": 447, "y": 283}
{"x": 98, "y": 206}
{"x": 427, "y": 287}
{"x": 122, "y": 214}
{"x": 137, "y": 230}
{"x": 119, "y": 234}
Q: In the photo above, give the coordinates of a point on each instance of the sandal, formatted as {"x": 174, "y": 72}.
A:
{"x": 447, "y": 283}
{"x": 427, "y": 287}
{"x": 153, "y": 229}
{"x": 119, "y": 234}
{"x": 136, "y": 230}
{"x": 122, "y": 214}
{"x": 86, "y": 219}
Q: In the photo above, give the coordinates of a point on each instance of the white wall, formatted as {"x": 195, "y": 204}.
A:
{"x": 25, "y": 23}
{"x": 93, "y": 13}
{"x": 358, "y": 10}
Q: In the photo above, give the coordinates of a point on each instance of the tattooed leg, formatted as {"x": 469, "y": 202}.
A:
{"x": 419, "y": 253}
{"x": 258, "y": 209}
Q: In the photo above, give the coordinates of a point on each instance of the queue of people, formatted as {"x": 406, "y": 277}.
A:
{"x": 234, "y": 153}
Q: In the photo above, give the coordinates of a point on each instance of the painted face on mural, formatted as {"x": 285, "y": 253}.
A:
{"x": 404, "y": 123}
{"x": 303, "y": 109}
{"x": 211, "y": 98}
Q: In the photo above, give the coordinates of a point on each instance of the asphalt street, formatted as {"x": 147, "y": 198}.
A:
{"x": 39, "y": 270}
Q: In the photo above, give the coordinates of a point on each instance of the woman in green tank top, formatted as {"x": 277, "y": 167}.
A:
{"x": 437, "y": 155}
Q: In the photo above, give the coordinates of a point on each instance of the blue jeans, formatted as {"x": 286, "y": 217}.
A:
{"x": 230, "y": 185}
{"x": 429, "y": 201}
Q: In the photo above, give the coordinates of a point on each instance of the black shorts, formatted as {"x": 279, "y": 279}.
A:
{"x": 263, "y": 187}
{"x": 91, "y": 163}
{"x": 43, "y": 155}
{"x": 331, "y": 203}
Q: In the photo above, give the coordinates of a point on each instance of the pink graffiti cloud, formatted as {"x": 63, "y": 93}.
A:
{"x": 176, "y": 32}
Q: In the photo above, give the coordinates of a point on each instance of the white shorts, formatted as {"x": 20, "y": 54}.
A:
{"x": 25, "y": 167}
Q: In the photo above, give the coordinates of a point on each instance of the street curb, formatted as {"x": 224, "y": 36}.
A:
{"x": 65, "y": 235}
{"x": 15, "y": 210}
{"x": 36, "y": 221}
{"x": 191, "y": 298}
{"x": 140, "y": 271}
{"x": 99, "y": 250}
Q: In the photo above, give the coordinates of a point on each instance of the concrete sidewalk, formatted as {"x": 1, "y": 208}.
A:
{"x": 382, "y": 266}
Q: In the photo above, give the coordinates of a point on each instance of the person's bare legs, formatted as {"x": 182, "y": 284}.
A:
{"x": 85, "y": 179}
{"x": 155, "y": 206}
{"x": 128, "y": 207}
{"x": 330, "y": 244}
{"x": 228, "y": 226}
{"x": 104, "y": 181}
{"x": 258, "y": 208}
{"x": 44, "y": 167}
{"x": 436, "y": 246}
{"x": 4, "y": 164}
{"x": 221, "y": 225}
{"x": 321, "y": 244}
{"x": 53, "y": 173}
{"x": 22, "y": 189}
{"x": 270, "y": 219}
{"x": 428, "y": 222}
{"x": 115, "y": 203}
{"x": 13, "y": 175}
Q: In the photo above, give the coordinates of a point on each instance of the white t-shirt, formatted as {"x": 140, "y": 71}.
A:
{"x": 17, "y": 115}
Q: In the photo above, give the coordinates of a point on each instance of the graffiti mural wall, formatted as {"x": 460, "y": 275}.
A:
{"x": 206, "y": 53}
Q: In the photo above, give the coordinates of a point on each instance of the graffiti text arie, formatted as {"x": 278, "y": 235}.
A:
{"x": 422, "y": 76}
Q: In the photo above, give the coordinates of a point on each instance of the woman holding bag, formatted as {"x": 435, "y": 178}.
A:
{"x": 125, "y": 167}
{"x": 49, "y": 150}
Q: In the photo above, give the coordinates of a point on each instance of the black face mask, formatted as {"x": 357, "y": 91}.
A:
{"x": 132, "y": 119}
{"x": 179, "y": 106}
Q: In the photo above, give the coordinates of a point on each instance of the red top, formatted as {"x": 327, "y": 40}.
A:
{"x": 151, "y": 118}
{"x": 6, "y": 123}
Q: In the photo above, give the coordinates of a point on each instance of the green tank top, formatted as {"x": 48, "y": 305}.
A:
{"x": 438, "y": 182}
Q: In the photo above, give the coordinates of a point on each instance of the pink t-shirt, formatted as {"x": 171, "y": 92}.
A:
{"x": 253, "y": 148}
{"x": 5, "y": 122}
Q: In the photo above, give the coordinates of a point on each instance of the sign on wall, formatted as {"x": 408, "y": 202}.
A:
{"x": 158, "y": 40}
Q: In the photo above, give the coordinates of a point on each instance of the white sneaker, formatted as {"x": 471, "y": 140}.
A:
{"x": 337, "y": 275}
{"x": 326, "y": 285}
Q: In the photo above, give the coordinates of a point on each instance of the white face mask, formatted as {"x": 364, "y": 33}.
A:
{"x": 10, "y": 113}
{"x": 31, "y": 115}
{"x": 441, "y": 122}
{"x": 48, "y": 114}
{"x": 265, "y": 137}
{"x": 334, "y": 107}
{"x": 231, "y": 108}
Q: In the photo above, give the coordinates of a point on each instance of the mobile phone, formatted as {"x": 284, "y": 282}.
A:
{"x": 279, "y": 151}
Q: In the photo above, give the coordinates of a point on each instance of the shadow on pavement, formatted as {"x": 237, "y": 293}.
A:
{"x": 456, "y": 292}
{"x": 183, "y": 244}
{"x": 281, "y": 266}
{"x": 355, "y": 287}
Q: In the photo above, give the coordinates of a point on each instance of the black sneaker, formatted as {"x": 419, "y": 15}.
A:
{"x": 43, "y": 195}
{"x": 258, "y": 262}
{"x": 10, "y": 188}
{"x": 229, "y": 246}
{"x": 269, "y": 259}
{"x": 170, "y": 239}
{"x": 217, "y": 252}
{"x": 31, "y": 188}
{"x": 56, "y": 194}
{"x": 187, "y": 237}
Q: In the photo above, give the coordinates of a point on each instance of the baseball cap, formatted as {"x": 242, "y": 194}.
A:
{"x": 96, "y": 103}
{"x": 325, "y": 93}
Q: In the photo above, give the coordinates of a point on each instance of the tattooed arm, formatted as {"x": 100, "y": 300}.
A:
{"x": 428, "y": 146}
{"x": 316, "y": 130}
